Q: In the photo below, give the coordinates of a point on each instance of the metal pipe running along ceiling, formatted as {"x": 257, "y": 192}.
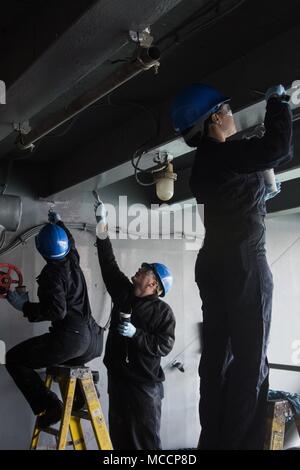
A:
{"x": 144, "y": 59}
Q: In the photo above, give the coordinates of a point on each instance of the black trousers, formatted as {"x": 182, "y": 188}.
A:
{"x": 236, "y": 291}
{"x": 134, "y": 414}
{"x": 59, "y": 347}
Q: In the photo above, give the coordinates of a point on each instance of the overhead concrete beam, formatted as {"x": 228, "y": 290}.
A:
{"x": 96, "y": 36}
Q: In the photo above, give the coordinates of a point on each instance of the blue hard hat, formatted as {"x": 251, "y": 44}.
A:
{"x": 163, "y": 274}
{"x": 52, "y": 242}
{"x": 195, "y": 103}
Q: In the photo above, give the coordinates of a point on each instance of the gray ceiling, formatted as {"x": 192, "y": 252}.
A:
{"x": 54, "y": 51}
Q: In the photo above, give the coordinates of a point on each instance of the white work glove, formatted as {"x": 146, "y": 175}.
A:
{"x": 53, "y": 217}
{"x": 126, "y": 329}
{"x": 17, "y": 300}
{"x": 269, "y": 193}
{"x": 101, "y": 219}
{"x": 100, "y": 212}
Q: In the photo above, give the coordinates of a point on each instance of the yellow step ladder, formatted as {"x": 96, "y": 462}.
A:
{"x": 71, "y": 419}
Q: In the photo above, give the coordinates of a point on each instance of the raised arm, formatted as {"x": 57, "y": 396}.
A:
{"x": 73, "y": 248}
{"x": 272, "y": 150}
{"x": 117, "y": 284}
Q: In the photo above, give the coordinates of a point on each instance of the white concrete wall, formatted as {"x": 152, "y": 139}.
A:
{"x": 283, "y": 244}
{"x": 180, "y": 426}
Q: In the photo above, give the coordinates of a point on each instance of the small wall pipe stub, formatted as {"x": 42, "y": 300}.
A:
{"x": 10, "y": 212}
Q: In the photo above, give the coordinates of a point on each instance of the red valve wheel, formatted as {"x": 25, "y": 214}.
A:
{"x": 12, "y": 275}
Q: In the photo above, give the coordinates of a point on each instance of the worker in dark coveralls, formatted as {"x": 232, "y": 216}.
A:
{"x": 74, "y": 337}
{"x": 134, "y": 348}
{"x": 232, "y": 272}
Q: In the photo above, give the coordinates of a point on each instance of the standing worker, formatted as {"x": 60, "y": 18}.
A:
{"x": 141, "y": 332}
{"x": 231, "y": 271}
{"x": 74, "y": 337}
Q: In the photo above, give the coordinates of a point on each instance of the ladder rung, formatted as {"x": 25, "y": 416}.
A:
{"x": 81, "y": 414}
{"x": 55, "y": 432}
{"x": 52, "y": 431}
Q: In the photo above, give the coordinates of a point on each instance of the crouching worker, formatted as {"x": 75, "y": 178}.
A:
{"x": 141, "y": 332}
{"x": 74, "y": 337}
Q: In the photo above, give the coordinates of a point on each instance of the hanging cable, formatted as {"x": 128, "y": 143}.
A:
{"x": 25, "y": 236}
{"x": 161, "y": 167}
{"x": 207, "y": 8}
{"x": 200, "y": 26}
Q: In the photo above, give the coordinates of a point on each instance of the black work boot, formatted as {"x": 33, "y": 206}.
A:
{"x": 52, "y": 414}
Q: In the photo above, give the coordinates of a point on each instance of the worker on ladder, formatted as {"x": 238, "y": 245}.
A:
{"x": 232, "y": 271}
{"x": 141, "y": 332}
{"x": 74, "y": 337}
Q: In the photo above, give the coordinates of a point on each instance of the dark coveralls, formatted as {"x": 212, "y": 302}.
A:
{"x": 235, "y": 281}
{"x": 74, "y": 337}
{"x": 133, "y": 364}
